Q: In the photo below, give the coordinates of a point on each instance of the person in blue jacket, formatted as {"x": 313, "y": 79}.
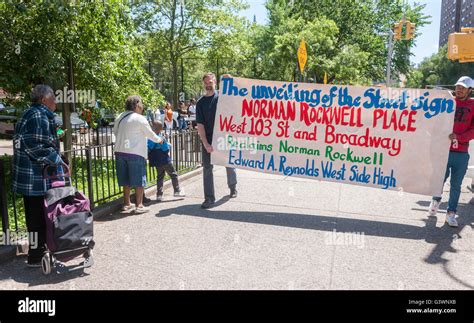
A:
{"x": 159, "y": 157}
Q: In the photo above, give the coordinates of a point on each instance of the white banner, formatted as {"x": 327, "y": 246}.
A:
{"x": 388, "y": 138}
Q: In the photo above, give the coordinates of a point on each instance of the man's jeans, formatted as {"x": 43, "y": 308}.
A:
{"x": 457, "y": 166}
{"x": 182, "y": 124}
{"x": 208, "y": 176}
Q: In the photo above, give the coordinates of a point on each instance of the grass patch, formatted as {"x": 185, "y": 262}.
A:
{"x": 14, "y": 201}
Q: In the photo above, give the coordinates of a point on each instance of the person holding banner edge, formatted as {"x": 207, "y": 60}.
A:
{"x": 463, "y": 132}
{"x": 206, "y": 108}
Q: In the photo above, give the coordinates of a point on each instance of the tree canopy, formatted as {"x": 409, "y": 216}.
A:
{"x": 346, "y": 38}
{"x": 159, "y": 48}
{"x": 438, "y": 70}
{"x": 39, "y": 38}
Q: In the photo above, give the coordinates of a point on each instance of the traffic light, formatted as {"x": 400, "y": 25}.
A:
{"x": 397, "y": 30}
{"x": 404, "y": 30}
{"x": 461, "y": 46}
{"x": 410, "y": 30}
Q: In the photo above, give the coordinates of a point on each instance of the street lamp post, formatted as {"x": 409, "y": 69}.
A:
{"x": 389, "y": 57}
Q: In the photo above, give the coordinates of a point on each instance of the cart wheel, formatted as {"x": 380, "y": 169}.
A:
{"x": 88, "y": 261}
{"x": 87, "y": 253}
{"x": 46, "y": 264}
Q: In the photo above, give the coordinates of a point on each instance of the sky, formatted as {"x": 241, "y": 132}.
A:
{"x": 427, "y": 41}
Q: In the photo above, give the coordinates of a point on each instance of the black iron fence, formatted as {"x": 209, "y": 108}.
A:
{"x": 82, "y": 136}
{"x": 93, "y": 172}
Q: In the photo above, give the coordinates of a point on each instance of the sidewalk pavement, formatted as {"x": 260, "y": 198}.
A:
{"x": 279, "y": 233}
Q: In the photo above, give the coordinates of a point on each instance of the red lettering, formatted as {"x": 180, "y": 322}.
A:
{"x": 377, "y": 115}
{"x": 263, "y": 108}
{"x": 304, "y": 113}
{"x": 290, "y": 110}
{"x": 225, "y": 123}
{"x": 411, "y": 121}
{"x": 345, "y": 113}
{"x": 247, "y": 108}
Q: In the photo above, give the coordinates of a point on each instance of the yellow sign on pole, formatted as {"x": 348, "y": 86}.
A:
{"x": 302, "y": 55}
{"x": 325, "y": 78}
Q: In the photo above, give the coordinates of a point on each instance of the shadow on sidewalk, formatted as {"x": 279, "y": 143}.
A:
{"x": 17, "y": 271}
{"x": 440, "y": 237}
{"x": 312, "y": 222}
{"x": 443, "y": 242}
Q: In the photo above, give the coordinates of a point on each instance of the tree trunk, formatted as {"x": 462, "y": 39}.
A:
{"x": 67, "y": 108}
{"x": 174, "y": 64}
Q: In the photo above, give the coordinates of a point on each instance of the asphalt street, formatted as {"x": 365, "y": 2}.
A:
{"x": 279, "y": 233}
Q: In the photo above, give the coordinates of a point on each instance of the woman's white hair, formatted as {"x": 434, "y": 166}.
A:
{"x": 41, "y": 91}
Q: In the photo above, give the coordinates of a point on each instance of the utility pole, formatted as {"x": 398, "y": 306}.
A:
{"x": 182, "y": 75}
{"x": 389, "y": 56}
{"x": 217, "y": 72}
{"x": 255, "y": 67}
{"x": 404, "y": 30}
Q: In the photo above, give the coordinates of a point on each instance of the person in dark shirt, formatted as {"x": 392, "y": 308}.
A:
{"x": 205, "y": 116}
{"x": 458, "y": 161}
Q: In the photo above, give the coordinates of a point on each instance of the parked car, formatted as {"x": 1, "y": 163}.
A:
{"x": 7, "y": 119}
{"x": 8, "y": 112}
{"x": 109, "y": 119}
{"x": 76, "y": 122}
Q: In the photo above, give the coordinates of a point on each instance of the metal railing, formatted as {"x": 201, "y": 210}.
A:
{"x": 93, "y": 173}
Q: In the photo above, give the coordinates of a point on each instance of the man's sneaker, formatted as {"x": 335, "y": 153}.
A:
{"x": 179, "y": 193}
{"x": 434, "y": 207}
{"x": 233, "y": 193}
{"x": 159, "y": 198}
{"x": 207, "y": 204}
{"x": 128, "y": 208}
{"x": 451, "y": 219}
{"x": 141, "y": 209}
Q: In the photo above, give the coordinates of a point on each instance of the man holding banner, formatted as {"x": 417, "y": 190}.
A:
{"x": 458, "y": 160}
{"x": 365, "y": 136}
{"x": 206, "y": 109}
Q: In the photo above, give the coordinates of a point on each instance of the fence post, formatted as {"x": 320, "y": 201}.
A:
{"x": 90, "y": 184}
{"x": 176, "y": 151}
{"x": 3, "y": 198}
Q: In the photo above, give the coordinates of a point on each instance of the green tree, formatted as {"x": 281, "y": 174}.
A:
{"x": 438, "y": 70}
{"x": 178, "y": 29}
{"x": 362, "y": 27}
{"x": 38, "y": 39}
